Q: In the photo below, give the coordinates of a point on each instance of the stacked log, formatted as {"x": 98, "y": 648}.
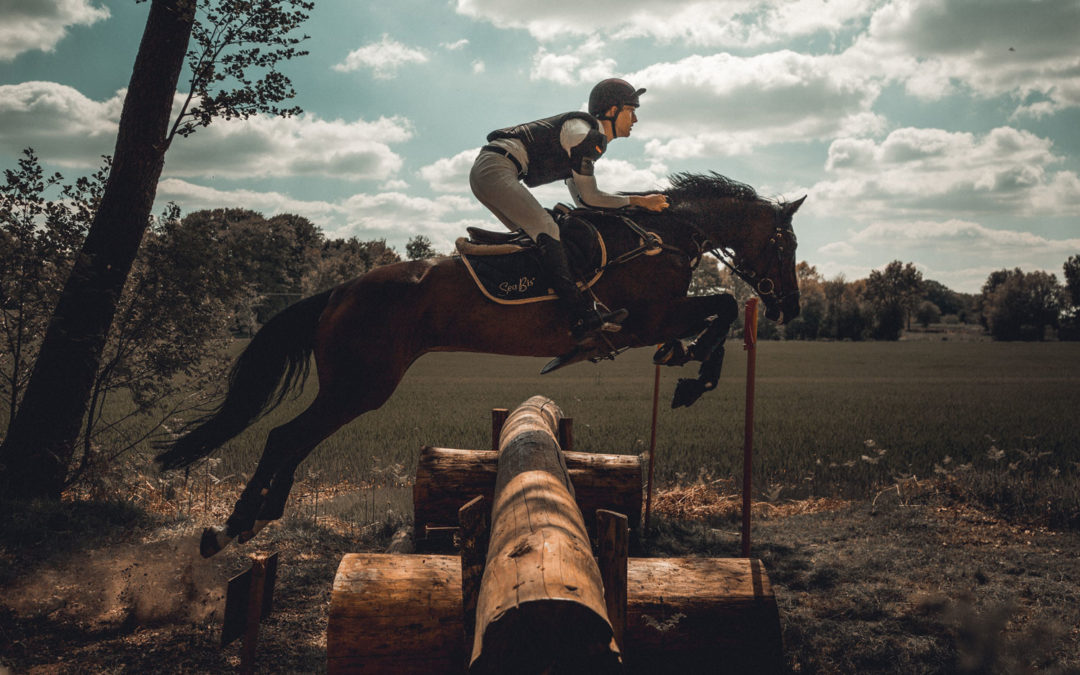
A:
{"x": 402, "y": 614}
{"x": 536, "y": 602}
{"x": 541, "y": 603}
{"x": 446, "y": 478}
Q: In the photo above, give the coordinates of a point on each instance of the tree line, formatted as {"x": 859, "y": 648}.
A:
{"x": 202, "y": 280}
{"x": 198, "y": 282}
{"x": 1012, "y": 304}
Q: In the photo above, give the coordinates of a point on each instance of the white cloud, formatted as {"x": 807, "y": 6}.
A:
{"x": 958, "y": 253}
{"x": 779, "y": 97}
{"x": 303, "y": 145}
{"x": 585, "y": 64}
{"x": 393, "y": 216}
{"x": 454, "y": 46}
{"x": 27, "y": 25}
{"x": 734, "y": 23}
{"x": 383, "y": 58}
{"x": 70, "y": 130}
{"x": 63, "y": 126}
{"x": 932, "y": 171}
{"x": 193, "y": 197}
{"x": 1022, "y": 48}
{"x": 450, "y": 174}
{"x": 478, "y": 67}
{"x": 840, "y": 249}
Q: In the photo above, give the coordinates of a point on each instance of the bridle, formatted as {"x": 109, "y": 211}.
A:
{"x": 782, "y": 238}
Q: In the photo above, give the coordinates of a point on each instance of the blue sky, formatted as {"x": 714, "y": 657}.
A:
{"x": 940, "y": 132}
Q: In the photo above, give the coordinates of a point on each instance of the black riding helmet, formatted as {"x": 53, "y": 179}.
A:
{"x": 612, "y": 92}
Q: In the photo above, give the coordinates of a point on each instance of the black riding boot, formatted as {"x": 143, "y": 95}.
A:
{"x": 584, "y": 316}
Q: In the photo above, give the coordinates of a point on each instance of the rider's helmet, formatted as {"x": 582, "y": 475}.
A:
{"x": 612, "y": 92}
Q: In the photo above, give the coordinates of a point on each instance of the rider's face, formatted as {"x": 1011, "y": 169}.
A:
{"x": 625, "y": 120}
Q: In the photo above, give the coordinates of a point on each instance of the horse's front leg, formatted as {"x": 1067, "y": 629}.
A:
{"x": 709, "y": 318}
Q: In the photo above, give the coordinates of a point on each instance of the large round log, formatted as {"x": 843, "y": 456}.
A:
{"x": 541, "y": 603}
{"x": 446, "y": 478}
{"x": 402, "y": 614}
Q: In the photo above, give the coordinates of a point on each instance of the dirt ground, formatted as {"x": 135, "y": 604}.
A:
{"x": 933, "y": 587}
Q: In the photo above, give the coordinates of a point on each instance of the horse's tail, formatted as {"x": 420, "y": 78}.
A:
{"x": 276, "y": 360}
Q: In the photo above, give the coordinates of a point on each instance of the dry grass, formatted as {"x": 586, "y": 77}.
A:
{"x": 710, "y": 502}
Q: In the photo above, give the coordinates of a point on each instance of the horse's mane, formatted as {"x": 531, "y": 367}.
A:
{"x": 688, "y": 186}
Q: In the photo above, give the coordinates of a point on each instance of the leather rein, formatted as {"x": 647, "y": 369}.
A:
{"x": 652, "y": 244}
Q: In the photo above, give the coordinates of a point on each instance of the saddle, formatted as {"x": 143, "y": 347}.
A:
{"x": 506, "y": 265}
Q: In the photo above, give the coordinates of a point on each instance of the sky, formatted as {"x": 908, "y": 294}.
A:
{"x": 945, "y": 133}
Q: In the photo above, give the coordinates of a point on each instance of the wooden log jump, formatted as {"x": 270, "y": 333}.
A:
{"x": 541, "y": 602}
{"x": 446, "y": 478}
{"x": 541, "y": 605}
{"x": 402, "y": 614}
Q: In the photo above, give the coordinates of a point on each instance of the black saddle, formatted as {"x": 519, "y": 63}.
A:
{"x": 506, "y": 265}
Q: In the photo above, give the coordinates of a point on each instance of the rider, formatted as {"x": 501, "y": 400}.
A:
{"x": 560, "y": 147}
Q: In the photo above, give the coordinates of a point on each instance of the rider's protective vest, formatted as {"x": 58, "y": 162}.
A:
{"x": 548, "y": 159}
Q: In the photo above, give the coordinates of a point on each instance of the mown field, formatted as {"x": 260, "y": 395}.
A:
{"x": 972, "y": 571}
{"x": 831, "y": 418}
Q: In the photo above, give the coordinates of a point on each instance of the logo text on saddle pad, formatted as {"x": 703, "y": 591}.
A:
{"x": 522, "y": 286}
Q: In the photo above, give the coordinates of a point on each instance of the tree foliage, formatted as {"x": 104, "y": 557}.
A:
{"x": 233, "y": 63}
{"x": 1018, "y": 305}
{"x": 236, "y": 41}
{"x": 172, "y": 319}
{"x": 38, "y": 240}
{"x": 419, "y": 248}
{"x": 894, "y": 292}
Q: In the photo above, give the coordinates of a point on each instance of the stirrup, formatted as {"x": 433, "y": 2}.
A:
{"x": 607, "y": 322}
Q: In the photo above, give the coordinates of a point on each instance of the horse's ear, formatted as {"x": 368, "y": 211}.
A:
{"x": 790, "y": 209}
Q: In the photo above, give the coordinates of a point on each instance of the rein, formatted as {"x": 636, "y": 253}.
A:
{"x": 652, "y": 244}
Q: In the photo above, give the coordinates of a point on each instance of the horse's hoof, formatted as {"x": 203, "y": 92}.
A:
{"x": 212, "y": 542}
{"x": 686, "y": 392}
{"x": 671, "y": 353}
{"x": 244, "y": 537}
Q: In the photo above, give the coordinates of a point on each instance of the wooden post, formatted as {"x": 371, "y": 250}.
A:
{"x": 566, "y": 434}
{"x": 750, "y": 345}
{"x": 254, "y": 614}
{"x": 613, "y": 542}
{"x": 541, "y": 603}
{"x": 498, "y": 419}
{"x": 652, "y": 446}
{"x": 474, "y": 545}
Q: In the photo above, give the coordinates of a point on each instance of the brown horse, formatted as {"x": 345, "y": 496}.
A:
{"x": 366, "y": 333}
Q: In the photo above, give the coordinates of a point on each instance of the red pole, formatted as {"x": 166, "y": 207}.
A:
{"x": 652, "y": 447}
{"x": 750, "y": 345}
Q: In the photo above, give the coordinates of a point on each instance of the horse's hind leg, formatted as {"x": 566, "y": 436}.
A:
{"x": 263, "y": 499}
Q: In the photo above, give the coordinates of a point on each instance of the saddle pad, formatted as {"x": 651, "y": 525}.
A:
{"x": 517, "y": 276}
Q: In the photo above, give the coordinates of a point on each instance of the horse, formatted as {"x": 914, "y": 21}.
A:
{"x": 365, "y": 333}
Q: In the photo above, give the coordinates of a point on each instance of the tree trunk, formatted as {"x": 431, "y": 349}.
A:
{"x": 37, "y": 453}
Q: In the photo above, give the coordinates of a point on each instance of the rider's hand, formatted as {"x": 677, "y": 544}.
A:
{"x": 656, "y": 202}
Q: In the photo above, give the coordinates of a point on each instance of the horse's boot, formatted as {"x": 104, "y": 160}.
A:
{"x": 671, "y": 353}
{"x": 585, "y": 318}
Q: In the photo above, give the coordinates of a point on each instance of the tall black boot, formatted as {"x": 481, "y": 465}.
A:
{"x": 584, "y": 317}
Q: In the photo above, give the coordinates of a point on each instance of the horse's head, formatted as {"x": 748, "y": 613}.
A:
{"x": 767, "y": 261}
{"x": 751, "y": 235}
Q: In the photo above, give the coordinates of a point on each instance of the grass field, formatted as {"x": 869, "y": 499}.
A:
{"x": 830, "y": 418}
